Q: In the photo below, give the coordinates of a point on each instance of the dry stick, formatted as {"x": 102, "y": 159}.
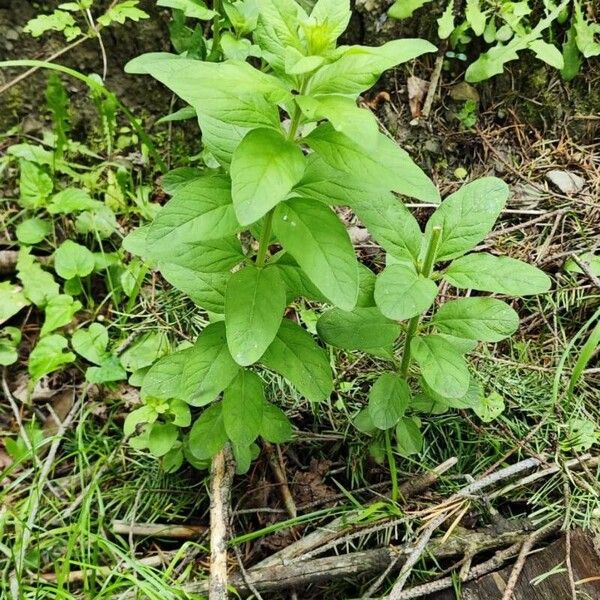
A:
{"x": 585, "y": 267}
{"x": 435, "y": 79}
{"x": 334, "y": 529}
{"x": 276, "y": 467}
{"x": 221, "y": 475}
{"x": 164, "y": 530}
{"x": 525, "y": 550}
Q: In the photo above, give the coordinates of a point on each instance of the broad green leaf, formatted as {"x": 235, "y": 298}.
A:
{"x": 358, "y": 124}
{"x": 207, "y": 290}
{"x": 171, "y": 462}
{"x": 164, "y": 378}
{"x": 73, "y": 260}
{"x": 12, "y": 300}
{"x": 109, "y": 370}
{"x": 209, "y": 368}
{"x": 297, "y": 284}
{"x": 208, "y": 435}
{"x": 442, "y": 367}
{"x": 72, "y": 200}
{"x": 475, "y": 16}
{"x": 390, "y": 223}
{"x": 275, "y": 426}
{"x": 146, "y": 349}
{"x": 572, "y": 58}
{"x": 59, "y": 311}
{"x": 180, "y": 411}
{"x": 91, "y": 343}
{"x": 32, "y": 231}
{"x": 177, "y": 179}
{"x": 333, "y": 16}
{"x": 190, "y": 8}
{"x": 470, "y": 399}
{"x": 499, "y": 274}
{"x": 587, "y": 32}
{"x": 446, "y": 22}
{"x": 363, "y": 329}
{"x": 549, "y": 53}
{"x": 409, "y": 439}
{"x": 213, "y": 256}
{"x": 298, "y": 64}
{"x": 277, "y": 28}
{"x": 402, "y": 293}
{"x": 363, "y": 422}
{"x": 387, "y": 167}
{"x": 49, "y": 355}
{"x": 243, "y": 403}
{"x": 485, "y": 319}
{"x": 367, "y": 280}
{"x": 200, "y": 211}
{"x": 38, "y": 285}
{"x": 464, "y": 346}
{"x": 254, "y": 304}
{"x": 489, "y": 407}
{"x": 295, "y": 355}
{"x": 388, "y": 400}
{"x": 467, "y": 216}
{"x": 403, "y": 9}
{"x": 35, "y": 185}
{"x": 10, "y": 338}
{"x": 492, "y": 62}
{"x": 101, "y": 222}
{"x": 359, "y": 67}
{"x": 139, "y": 416}
{"x": 319, "y": 242}
{"x": 162, "y": 438}
{"x": 264, "y": 168}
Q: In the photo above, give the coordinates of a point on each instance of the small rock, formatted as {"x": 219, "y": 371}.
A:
{"x": 464, "y": 91}
{"x": 565, "y": 181}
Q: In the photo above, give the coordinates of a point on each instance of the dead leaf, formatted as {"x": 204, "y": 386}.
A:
{"x": 417, "y": 90}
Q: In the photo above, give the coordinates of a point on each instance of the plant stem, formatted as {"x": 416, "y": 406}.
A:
{"x": 425, "y": 270}
{"x": 216, "y": 41}
{"x": 265, "y": 238}
{"x": 392, "y": 465}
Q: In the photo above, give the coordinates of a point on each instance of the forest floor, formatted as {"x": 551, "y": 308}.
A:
{"x": 313, "y": 518}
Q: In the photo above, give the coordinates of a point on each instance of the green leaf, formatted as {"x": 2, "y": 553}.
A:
{"x": 32, "y": 231}
{"x": 200, "y": 211}
{"x": 442, "y": 367}
{"x": 57, "y": 21}
{"x": 446, "y": 22}
{"x": 145, "y": 350}
{"x": 470, "y": 399}
{"x": 190, "y": 8}
{"x": 572, "y": 58}
{"x": 254, "y": 304}
{"x": 35, "y": 185}
{"x": 295, "y": 355}
{"x": 264, "y": 168}
{"x": 489, "y": 407}
{"x": 164, "y": 379}
{"x": 208, "y": 435}
{"x": 358, "y": 124}
{"x": 467, "y": 216}
{"x": 319, "y": 242}
{"x": 38, "y": 285}
{"x": 162, "y": 438}
{"x": 387, "y": 167}
{"x": 243, "y": 403}
{"x": 275, "y": 426}
{"x": 101, "y": 222}
{"x": 121, "y": 12}
{"x": 207, "y": 290}
{"x": 403, "y": 9}
{"x": 475, "y": 17}
{"x": 12, "y": 300}
{"x": 73, "y": 260}
{"x": 390, "y": 223}
{"x": 72, "y": 200}
{"x": 107, "y": 371}
{"x": 363, "y": 422}
{"x": 180, "y": 411}
{"x": 485, "y": 319}
{"x": 213, "y": 256}
{"x": 402, "y": 293}
{"x": 335, "y": 14}
{"x": 298, "y": 64}
{"x": 549, "y": 53}
{"x": 409, "y": 439}
{"x": 297, "y": 284}
{"x": 10, "y": 338}
{"x": 359, "y": 67}
{"x": 177, "y": 179}
{"x": 500, "y": 274}
{"x": 586, "y": 32}
{"x": 589, "y": 258}
{"x": 363, "y": 329}
{"x": 60, "y": 311}
{"x": 210, "y": 367}
{"x": 48, "y": 356}
{"x": 91, "y": 343}
{"x": 388, "y": 400}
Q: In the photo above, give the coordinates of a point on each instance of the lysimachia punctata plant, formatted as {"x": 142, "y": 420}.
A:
{"x": 288, "y": 144}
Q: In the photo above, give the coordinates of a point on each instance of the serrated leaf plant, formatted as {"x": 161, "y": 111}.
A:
{"x": 291, "y": 144}
{"x": 430, "y": 374}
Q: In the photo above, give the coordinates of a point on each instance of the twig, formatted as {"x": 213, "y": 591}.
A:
{"x": 276, "y": 467}
{"x": 244, "y": 573}
{"x": 221, "y": 475}
{"x": 585, "y": 267}
{"x": 520, "y": 563}
{"x": 164, "y": 530}
{"x": 435, "y": 79}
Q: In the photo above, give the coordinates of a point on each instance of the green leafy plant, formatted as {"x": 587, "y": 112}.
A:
{"x": 510, "y": 27}
{"x": 435, "y": 338}
{"x": 289, "y": 144}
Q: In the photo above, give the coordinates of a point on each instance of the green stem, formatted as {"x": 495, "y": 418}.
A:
{"x": 392, "y": 465}
{"x": 265, "y": 238}
{"x": 216, "y": 41}
{"x": 425, "y": 270}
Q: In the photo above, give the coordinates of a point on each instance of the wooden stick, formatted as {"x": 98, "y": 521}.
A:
{"x": 221, "y": 475}
{"x": 165, "y": 530}
{"x": 279, "y": 472}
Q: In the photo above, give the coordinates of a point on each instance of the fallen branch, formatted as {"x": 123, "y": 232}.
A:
{"x": 279, "y": 472}
{"x": 221, "y": 479}
{"x": 164, "y": 530}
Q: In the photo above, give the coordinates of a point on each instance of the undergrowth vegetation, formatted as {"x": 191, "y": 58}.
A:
{"x": 158, "y": 320}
